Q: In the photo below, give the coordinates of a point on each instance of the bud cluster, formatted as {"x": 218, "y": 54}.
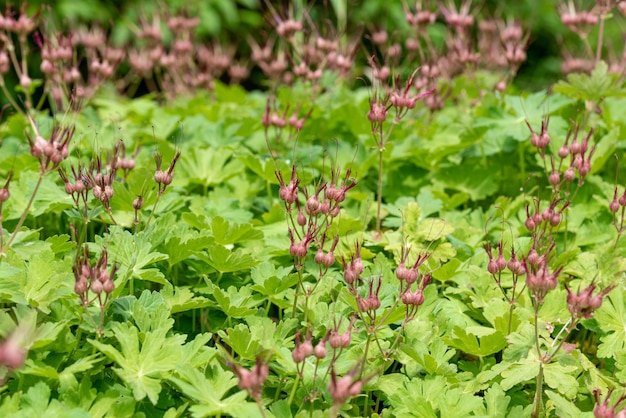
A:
{"x": 252, "y": 380}
{"x": 582, "y": 23}
{"x": 164, "y": 178}
{"x": 14, "y": 55}
{"x": 540, "y": 221}
{"x": 407, "y": 276}
{"x": 602, "y": 408}
{"x": 314, "y": 213}
{"x": 94, "y": 278}
{"x": 370, "y": 304}
{"x": 287, "y": 57}
{"x": 51, "y": 152}
{"x": 539, "y": 279}
{"x": 62, "y": 54}
{"x": 79, "y": 189}
{"x": 583, "y": 303}
{"x": 344, "y": 388}
{"x": 293, "y": 123}
{"x": 541, "y": 140}
{"x": 101, "y": 178}
{"x": 353, "y": 268}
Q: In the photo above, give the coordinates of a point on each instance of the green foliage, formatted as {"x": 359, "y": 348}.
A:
{"x": 209, "y": 285}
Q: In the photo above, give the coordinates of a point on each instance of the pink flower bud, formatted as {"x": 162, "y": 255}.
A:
{"x": 329, "y": 259}
{"x": 301, "y": 219}
{"x": 96, "y": 287}
{"x": 312, "y": 205}
{"x": 307, "y": 347}
{"x": 320, "y": 350}
{"x": 501, "y": 262}
{"x": 80, "y": 286}
{"x": 12, "y": 355}
{"x": 320, "y": 256}
{"x": 108, "y": 286}
{"x": 335, "y": 340}
{"x": 555, "y": 178}
{"x": 362, "y": 304}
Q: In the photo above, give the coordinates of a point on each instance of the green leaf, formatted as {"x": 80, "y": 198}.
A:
{"x": 180, "y": 249}
{"x": 39, "y": 282}
{"x": 209, "y": 391}
{"x": 497, "y": 402}
{"x": 226, "y": 233}
{"x": 143, "y": 364}
{"x": 520, "y": 372}
{"x": 612, "y": 318}
{"x": 477, "y": 341}
{"x": 227, "y": 261}
{"x": 592, "y": 87}
{"x": 236, "y": 303}
{"x": 133, "y": 254}
{"x": 208, "y": 166}
{"x": 181, "y": 299}
{"x": 559, "y": 377}
{"x": 562, "y": 406}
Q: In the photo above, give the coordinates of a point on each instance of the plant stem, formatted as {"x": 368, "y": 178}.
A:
{"x": 538, "y": 392}
{"x": 260, "y": 405}
{"x": 511, "y": 309}
{"x": 293, "y": 389}
{"x": 600, "y": 36}
{"x": 539, "y": 388}
{"x": 24, "y": 214}
{"x": 379, "y": 198}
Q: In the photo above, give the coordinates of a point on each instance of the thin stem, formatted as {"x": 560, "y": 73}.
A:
{"x": 379, "y": 197}
{"x": 25, "y": 213}
{"x": 260, "y": 405}
{"x": 538, "y": 392}
{"x": 539, "y": 388}
{"x": 537, "y": 330}
{"x": 600, "y": 40}
{"x": 293, "y": 389}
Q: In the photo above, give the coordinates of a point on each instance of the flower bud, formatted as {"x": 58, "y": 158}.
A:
{"x": 569, "y": 174}
{"x": 138, "y": 203}
{"x": 320, "y": 350}
{"x": 555, "y": 178}
{"x": 96, "y": 287}
{"x": 312, "y": 205}
{"x": 108, "y": 286}
{"x": 301, "y": 219}
{"x": 307, "y": 347}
